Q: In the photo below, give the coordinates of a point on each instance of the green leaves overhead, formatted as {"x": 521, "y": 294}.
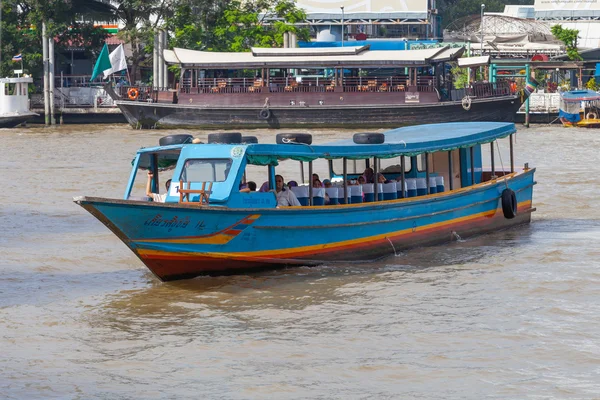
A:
{"x": 236, "y": 25}
{"x": 569, "y": 37}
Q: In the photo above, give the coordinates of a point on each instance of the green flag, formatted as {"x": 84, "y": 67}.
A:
{"x": 103, "y": 62}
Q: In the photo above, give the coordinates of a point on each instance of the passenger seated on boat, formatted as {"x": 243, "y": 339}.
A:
{"x": 382, "y": 179}
{"x": 292, "y": 184}
{"x": 369, "y": 175}
{"x": 317, "y": 184}
{"x": 156, "y": 196}
{"x": 326, "y": 183}
{"x": 285, "y": 197}
{"x": 250, "y": 187}
{"x": 264, "y": 187}
{"x": 361, "y": 180}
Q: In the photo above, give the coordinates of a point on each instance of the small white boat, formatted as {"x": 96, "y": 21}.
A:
{"x": 14, "y": 101}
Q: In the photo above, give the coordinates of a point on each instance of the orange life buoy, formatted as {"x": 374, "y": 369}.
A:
{"x": 133, "y": 93}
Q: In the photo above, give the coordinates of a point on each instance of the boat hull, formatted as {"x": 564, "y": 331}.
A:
{"x": 15, "y": 120}
{"x": 163, "y": 115}
{"x": 178, "y": 241}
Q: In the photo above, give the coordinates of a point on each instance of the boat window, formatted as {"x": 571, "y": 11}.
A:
{"x": 206, "y": 170}
{"x": 355, "y": 167}
{"x": 421, "y": 162}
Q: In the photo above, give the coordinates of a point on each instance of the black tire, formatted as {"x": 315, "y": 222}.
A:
{"x": 175, "y": 139}
{"x": 368, "y": 138}
{"x": 265, "y": 113}
{"x": 249, "y": 139}
{"x": 225, "y": 138}
{"x": 286, "y": 138}
{"x": 509, "y": 203}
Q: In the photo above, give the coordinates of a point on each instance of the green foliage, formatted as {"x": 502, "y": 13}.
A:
{"x": 569, "y": 38}
{"x": 235, "y": 25}
{"x": 591, "y": 84}
{"x": 461, "y": 77}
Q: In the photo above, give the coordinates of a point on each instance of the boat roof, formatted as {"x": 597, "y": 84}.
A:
{"x": 324, "y": 57}
{"x": 580, "y": 95}
{"x": 407, "y": 141}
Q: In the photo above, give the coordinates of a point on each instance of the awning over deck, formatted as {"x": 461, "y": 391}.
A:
{"x": 346, "y": 57}
{"x": 406, "y": 141}
{"x": 473, "y": 61}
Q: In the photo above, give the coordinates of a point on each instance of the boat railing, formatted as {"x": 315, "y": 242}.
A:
{"x": 306, "y": 85}
{"x": 489, "y": 89}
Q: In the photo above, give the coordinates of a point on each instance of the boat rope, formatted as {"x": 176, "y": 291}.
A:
{"x": 393, "y": 248}
{"x": 267, "y": 104}
{"x": 502, "y": 165}
{"x": 292, "y": 141}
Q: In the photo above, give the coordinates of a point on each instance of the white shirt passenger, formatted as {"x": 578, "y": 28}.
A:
{"x": 287, "y": 198}
{"x": 159, "y": 197}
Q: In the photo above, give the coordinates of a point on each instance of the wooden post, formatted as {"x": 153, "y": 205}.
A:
{"x": 450, "y": 172}
{"x": 512, "y": 155}
{"x": 472, "y": 157}
{"x": 345, "y": 180}
{"x": 492, "y": 160}
{"x": 402, "y": 178}
{"x": 375, "y": 181}
{"x": 310, "y": 182}
{"x": 427, "y": 172}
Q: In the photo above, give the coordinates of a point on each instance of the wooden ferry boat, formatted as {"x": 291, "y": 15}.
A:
{"x": 349, "y": 87}
{"x": 436, "y": 189}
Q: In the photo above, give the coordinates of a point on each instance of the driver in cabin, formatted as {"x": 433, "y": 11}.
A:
{"x": 156, "y": 196}
{"x": 285, "y": 197}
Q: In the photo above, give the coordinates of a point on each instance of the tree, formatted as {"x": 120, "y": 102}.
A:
{"x": 21, "y": 20}
{"x": 236, "y": 25}
{"x": 569, "y": 38}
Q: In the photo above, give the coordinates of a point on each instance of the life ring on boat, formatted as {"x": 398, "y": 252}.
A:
{"x": 287, "y": 138}
{"x": 225, "y": 138}
{"x": 265, "y": 113}
{"x": 509, "y": 203}
{"x": 466, "y": 103}
{"x": 249, "y": 139}
{"x": 175, "y": 139}
{"x": 368, "y": 138}
{"x": 591, "y": 115}
{"x": 133, "y": 93}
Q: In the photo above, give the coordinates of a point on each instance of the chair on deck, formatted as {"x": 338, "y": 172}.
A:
{"x": 432, "y": 185}
{"x": 389, "y": 191}
{"x": 411, "y": 187}
{"x": 204, "y": 192}
{"x": 301, "y": 193}
{"x": 332, "y": 193}
{"x": 421, "y": 186}
{"x": 318, "y": 197}
{"x": 356, "y": 194}
{"x": 439, "y": 182}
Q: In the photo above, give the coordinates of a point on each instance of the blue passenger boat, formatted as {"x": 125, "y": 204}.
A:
{"x": 435, "y": 188}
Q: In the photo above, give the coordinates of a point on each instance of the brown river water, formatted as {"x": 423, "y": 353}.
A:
{"x": 510, "y": 315}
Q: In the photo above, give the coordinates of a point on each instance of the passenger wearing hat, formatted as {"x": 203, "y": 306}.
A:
{"x": 326, "y": 183}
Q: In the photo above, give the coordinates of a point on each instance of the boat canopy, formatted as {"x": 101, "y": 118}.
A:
{"x": 580, "y": 95}
{"x": 347, "y": 57}
{"x": 406, "y": 141}
{"x": 473, "y": 61}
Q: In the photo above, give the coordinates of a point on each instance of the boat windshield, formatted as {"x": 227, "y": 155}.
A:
{"x": 206, "y": 170}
